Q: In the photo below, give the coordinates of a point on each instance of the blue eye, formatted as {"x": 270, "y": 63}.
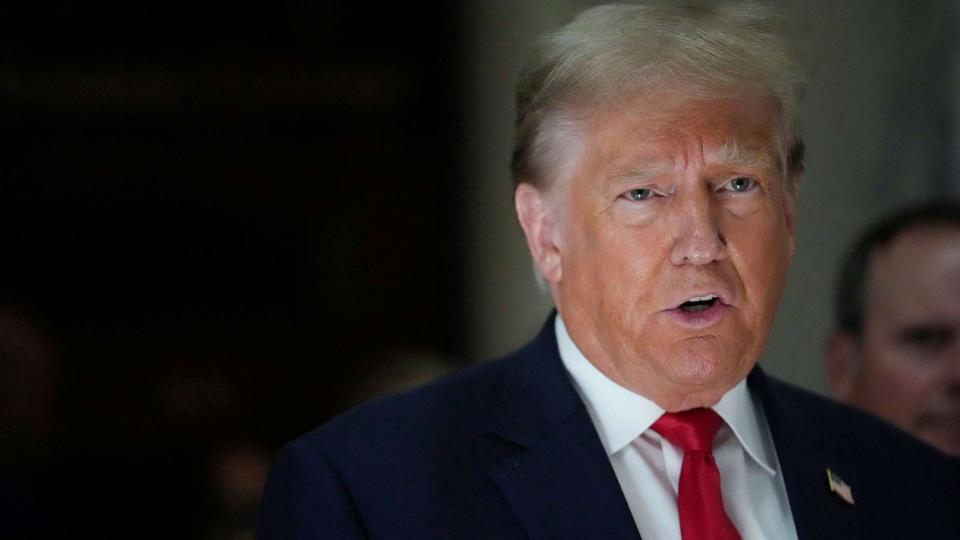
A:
{"x": 641, "y": 194}
{"x": 741, "y": 184}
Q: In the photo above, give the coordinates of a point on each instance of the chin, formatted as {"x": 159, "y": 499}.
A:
{"x": 686, "y": 399}
{"x": 696, "y": 371}
{"x": 704, "y": 366}
{"x": 700, "y": 360}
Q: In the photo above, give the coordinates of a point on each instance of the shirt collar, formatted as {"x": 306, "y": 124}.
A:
{"x": 743, "y": 413}
{"x": 621, "y": 415}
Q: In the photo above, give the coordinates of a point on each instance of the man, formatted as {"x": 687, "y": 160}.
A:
{"x": 655, "y": 166}
{"x": 896, "y": 351}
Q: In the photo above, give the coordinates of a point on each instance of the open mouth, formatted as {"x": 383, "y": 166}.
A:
{"x": 699, "y": 303}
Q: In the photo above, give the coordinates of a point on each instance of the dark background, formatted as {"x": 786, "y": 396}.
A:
{"x": 214, "y": 219}
{"x": 223, "y": 223}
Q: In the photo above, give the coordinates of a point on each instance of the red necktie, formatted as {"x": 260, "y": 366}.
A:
{"x": 699, "y": 502}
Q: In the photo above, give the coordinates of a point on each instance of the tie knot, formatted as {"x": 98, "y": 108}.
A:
{"x": 693, "y": 429}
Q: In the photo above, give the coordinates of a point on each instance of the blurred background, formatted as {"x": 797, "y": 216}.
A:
{"x": 223, "y": 224}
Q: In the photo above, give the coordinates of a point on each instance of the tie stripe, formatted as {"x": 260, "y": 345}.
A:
{"x": 700, "y": 500}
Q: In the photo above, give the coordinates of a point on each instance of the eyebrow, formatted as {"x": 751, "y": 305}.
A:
{"x": 732, "y": 153}
{"x": 642, "y": 174}
{"x": 729, "y": 153}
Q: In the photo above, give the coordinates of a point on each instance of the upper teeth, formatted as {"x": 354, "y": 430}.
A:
{"x": 706, "y": 298}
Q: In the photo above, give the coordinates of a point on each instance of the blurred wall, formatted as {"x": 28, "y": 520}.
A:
{"x": 221, "y": 224}
{"x": 876, "y": 117}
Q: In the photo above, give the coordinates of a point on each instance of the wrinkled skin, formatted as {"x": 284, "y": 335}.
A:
{"x": 670, "y": 196}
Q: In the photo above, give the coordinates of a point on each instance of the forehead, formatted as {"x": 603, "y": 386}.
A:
{"x": 917, "y": 273}
{"x": 662, "y": 126}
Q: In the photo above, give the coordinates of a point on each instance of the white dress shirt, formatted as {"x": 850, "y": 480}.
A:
{"x": 648, "y": 467}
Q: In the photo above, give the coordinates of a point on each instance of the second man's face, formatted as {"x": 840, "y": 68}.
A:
{"x": 673, "y": 234}
{"x": 908, "y": 367}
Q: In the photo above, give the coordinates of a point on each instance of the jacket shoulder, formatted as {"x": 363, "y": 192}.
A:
{"x": 443, "y": 408}
{"x": 903, "y": 487}
{"x": 375, "y": 465}
{"x": 837, "y": 425}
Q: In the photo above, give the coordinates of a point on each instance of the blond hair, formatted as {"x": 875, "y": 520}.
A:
{"x": 611, "y": 50}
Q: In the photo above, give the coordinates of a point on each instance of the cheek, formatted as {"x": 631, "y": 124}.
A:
{"x": 760, "y": 251}
{"x": 613, "y": 276}
{"x": 916, "y": 376}
{"x": 895, "y": 385}
{"x": 898, "y": 379}
{"x": 615, "y": 256}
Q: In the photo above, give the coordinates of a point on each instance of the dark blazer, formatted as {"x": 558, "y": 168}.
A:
{"x": 507, "y": 450}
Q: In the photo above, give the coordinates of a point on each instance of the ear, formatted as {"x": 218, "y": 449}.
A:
{"x": 842, "y": 359}
{"x": 538, "y": 220}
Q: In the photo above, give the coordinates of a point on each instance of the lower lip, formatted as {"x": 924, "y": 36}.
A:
{"x": 698, "y": 319}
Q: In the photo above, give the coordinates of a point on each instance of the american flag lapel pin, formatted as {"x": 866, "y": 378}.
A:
{"x": 838, "y": 486}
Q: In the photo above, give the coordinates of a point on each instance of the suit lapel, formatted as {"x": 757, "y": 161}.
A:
{"x": 557, "y": 479}
{"x": 817, "y": 513}
{"x": 564, "y": 487}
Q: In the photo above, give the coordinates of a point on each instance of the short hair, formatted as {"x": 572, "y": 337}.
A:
{"x": 611, "y": 50}
{"x": 851, "y": 285}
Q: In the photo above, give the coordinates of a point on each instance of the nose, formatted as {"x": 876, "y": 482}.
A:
{"x": 698, "y": 239}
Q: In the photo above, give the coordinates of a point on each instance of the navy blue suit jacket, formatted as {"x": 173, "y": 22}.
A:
{"x": 507, "y": 450}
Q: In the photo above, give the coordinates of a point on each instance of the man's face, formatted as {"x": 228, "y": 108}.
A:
{"x": 667, "y": 246}
{"x": 908, "y": 369}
